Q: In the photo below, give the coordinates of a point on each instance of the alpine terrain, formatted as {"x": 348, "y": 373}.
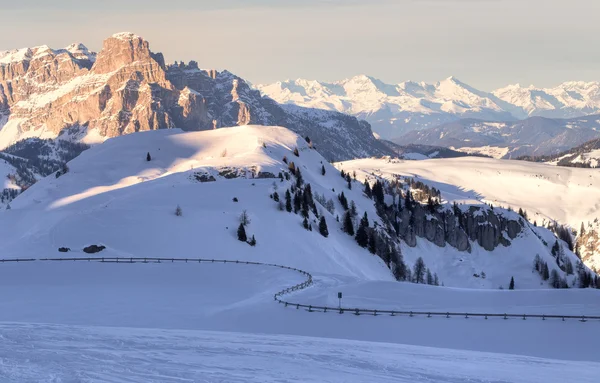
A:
{"x": 395, "y": 109}
{"x": 165, "y": 223}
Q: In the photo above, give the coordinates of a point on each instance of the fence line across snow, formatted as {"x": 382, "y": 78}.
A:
{"x": 308, "y": 282}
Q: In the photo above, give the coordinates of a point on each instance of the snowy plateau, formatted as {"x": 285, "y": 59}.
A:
{"x": 175, "y": 194}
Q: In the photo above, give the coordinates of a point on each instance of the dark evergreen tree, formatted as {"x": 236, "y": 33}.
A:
{"x": 555, "y": 280}
{"x": 419, "y": 271}
{"x": 241, "y": 233}
{"x": 511, "y": 285}
{"x": 353, "y": 210}
{"x": 364, "y": 221}
{"x": 343, "y": 174}
{"x": 323, "y": 227}
{"x": 429, "y": 277}
{"x": 362, "y": 237}
{"x": 377, "y": 191}
{"x": 545, "y": 272}
{"x": 343, "y": 201}
{"x": 372, "y": 242}
{"x": 148, "y": 157}
{"x": 322, "y": 170}
{"x": 297, "y": 201}
{"x": 368, "y": 192}
{"x": 349, "y": 181}
{"x": 348, "y": 225}
{"x": 288, "y": 201}
{"x": 436, "y": 280}
{"x": 305, "y": 223}
{"x": 296, "y": 153}
{"x": 299, "y": 179}
{"x": 275, "y": 197}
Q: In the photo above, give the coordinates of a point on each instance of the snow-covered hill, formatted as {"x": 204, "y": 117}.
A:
{"x": 111, "y": 190}
{"x": 567, "y": 195}
{"x": 394, "y": 109}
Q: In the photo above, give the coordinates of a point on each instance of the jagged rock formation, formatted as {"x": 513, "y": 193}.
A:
{"x": 457, "y": 228}
{"x": 127, "y": 88}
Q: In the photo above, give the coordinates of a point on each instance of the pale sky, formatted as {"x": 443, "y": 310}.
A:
{"x": 485, "y": 43}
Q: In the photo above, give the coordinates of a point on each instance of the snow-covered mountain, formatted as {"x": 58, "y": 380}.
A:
{"x": 534, "y": 136}
{"x": 77, "y": 95}
{"x": 547, "y": 193}
{"x": 394, "y": 109}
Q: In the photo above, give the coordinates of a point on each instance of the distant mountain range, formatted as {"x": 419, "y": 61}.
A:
{"x": 534, "y": 136}
{"x": 586, "y": 155}
{"x": 395, "y": 109}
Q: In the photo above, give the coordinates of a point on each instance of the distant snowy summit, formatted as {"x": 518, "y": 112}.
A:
{"x": 394, "y": 109}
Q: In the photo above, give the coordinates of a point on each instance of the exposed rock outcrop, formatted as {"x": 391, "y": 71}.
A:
{"x": 458, "y": 228}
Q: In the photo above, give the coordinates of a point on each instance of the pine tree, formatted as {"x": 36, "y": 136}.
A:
{"x": 322, "y": 170}
{"x": 353, "y": 210}
{"x": 349, "y": 180}
{"x": 343, "y": 201}
{"x": 368, "y": 191}
{"x": 299, "y": 179}
{"x": 364, "y": 221}
{"x": 297, "y": 201}
{"x": 545, "y": 272}
{"x": 178, "y": 211}
{"x": 555, "y": 279}
{"x": 348, "y": 225}
{"x": 148, "y": 157}
{"x": 511, "y": 286}
{"x": 429, "y": 277}
{"x": 362, "y": 237}
{"x": 241, "y": 233}
{"x": 305, "y": 223}
{"x": 436, "y": 280}
{"x": 288, "y": 201}
{"x": 372, "y": 242}
{"x": 419, "y": 271}
{"x": 275, "y": 197}
{"x": 323, "y": 227}
{"x": 252, "y": 241}
{"x": 296, "y": 153}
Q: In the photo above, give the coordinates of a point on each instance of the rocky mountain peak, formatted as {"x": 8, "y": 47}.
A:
{"x": 123, "y": 49}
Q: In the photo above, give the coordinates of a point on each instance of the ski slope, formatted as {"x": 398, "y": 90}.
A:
{"x": 87, "y": 354}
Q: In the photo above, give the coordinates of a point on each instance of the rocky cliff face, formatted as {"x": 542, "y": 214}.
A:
{"x": 457, "y": 227}
{"x": 127, "y": 88}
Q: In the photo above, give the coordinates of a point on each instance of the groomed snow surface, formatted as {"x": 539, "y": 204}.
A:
{"x": 190, "y": 322}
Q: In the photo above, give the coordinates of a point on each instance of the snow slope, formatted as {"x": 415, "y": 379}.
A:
{"x": 67, "y": 353}
{"x": 113, "y": 196}
{"x": 568, "y": 195}
{"x": 239, "y": 298}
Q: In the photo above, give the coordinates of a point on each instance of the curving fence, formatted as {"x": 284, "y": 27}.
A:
{"x": 308, "y": 282}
